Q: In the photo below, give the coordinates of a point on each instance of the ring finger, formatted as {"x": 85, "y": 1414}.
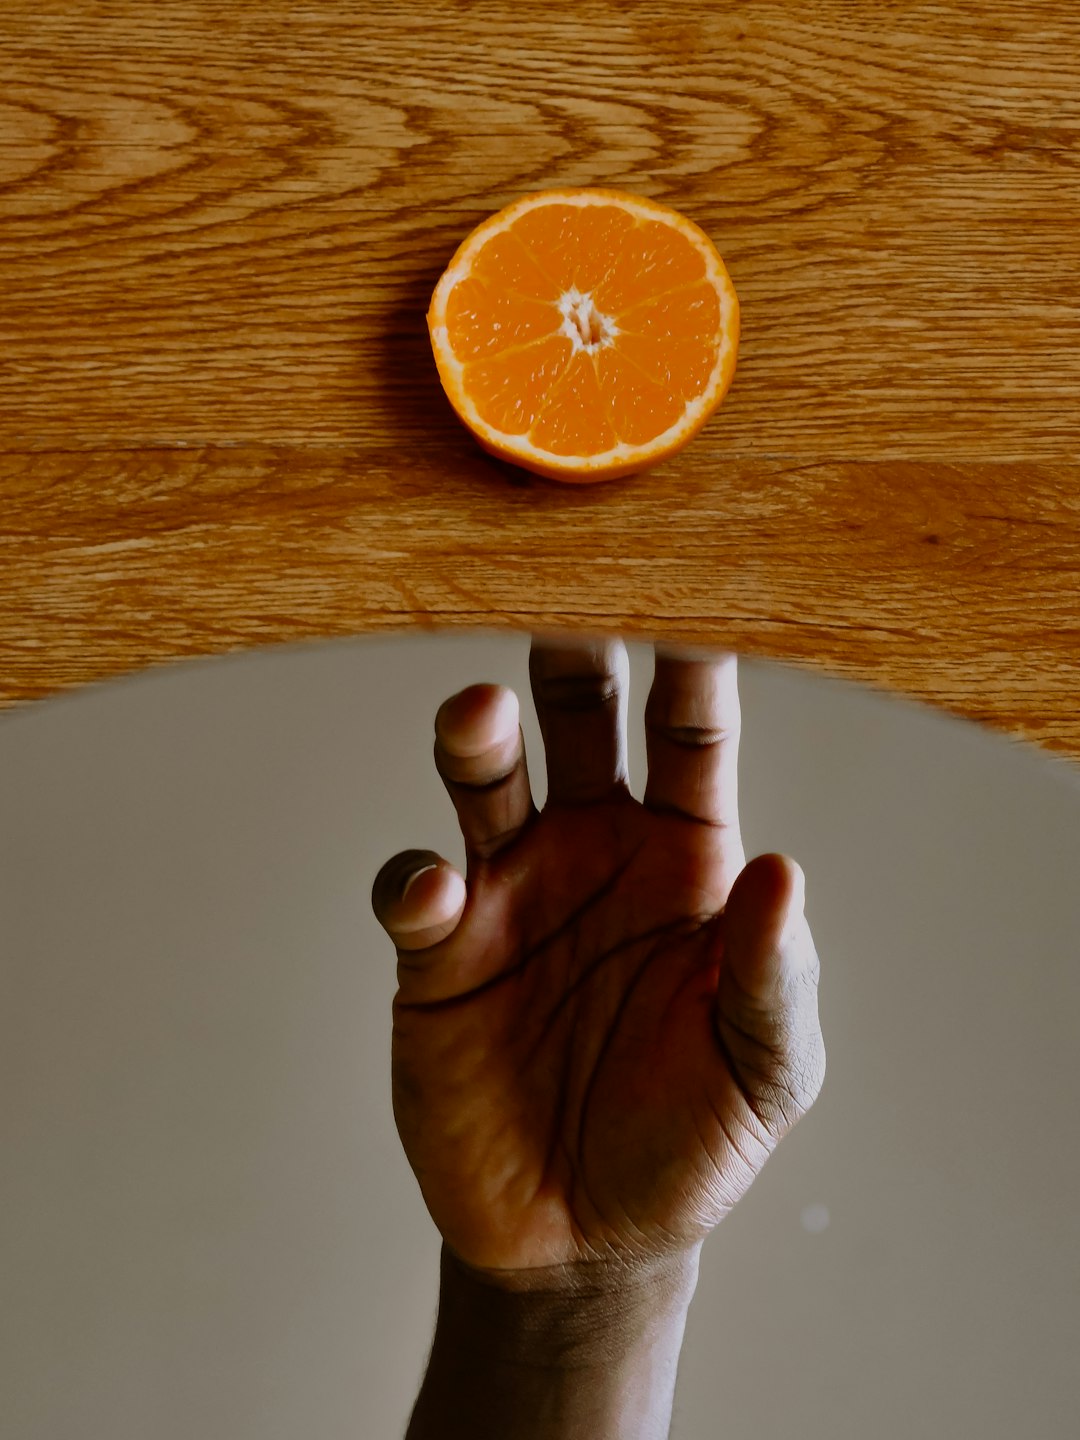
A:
{"x": 480, "y": 755}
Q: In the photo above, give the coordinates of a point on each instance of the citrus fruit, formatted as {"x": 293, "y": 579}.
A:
{"x": 585, "y": 334}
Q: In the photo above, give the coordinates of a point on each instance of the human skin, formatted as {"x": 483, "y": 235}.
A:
{"x": 601, "y": 1032}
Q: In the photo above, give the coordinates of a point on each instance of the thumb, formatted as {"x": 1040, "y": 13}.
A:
{"x": 767, "y": 996}
{"x": 418, "y": 898}
{"x": 765, "y": 918}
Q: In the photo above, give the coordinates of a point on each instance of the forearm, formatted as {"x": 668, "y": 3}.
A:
{"x": 598, "y": 1365}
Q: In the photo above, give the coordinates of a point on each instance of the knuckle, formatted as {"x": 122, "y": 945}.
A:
{"x": 691, "y": 737}
{"x": 472, "y": 773}
{"x": 588, "y": 691}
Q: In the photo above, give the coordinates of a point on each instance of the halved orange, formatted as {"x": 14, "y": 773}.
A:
{"x": 585, "y": 334}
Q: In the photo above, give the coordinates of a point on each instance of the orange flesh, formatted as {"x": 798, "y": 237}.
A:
{"x": 527, "y": 377}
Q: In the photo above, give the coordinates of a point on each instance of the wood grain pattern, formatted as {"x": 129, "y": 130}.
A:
{"x": 220, "y": 422}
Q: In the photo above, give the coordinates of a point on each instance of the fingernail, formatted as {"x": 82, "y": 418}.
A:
{"x": 415, "y": 876}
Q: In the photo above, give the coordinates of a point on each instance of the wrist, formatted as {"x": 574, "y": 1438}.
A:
{"x": 590, "y": 1351}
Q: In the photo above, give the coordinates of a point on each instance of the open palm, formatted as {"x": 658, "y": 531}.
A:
{"x": 604, "y": 1028}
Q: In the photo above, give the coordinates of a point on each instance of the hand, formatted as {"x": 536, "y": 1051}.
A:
{"x": 602, "y": 1031}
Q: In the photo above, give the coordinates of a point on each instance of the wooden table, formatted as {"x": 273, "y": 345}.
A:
{"x": 220, "y": 421}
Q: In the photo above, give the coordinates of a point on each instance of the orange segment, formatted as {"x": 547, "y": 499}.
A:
{"x": 585, "y": 333}
{"x": 670, "y": 338}
{"x": 574, "y": 244}
{"x": 573, "y": 422}
{"x": 509, "y": 390}
{"x": 483, "y": 318}
{"x": 654, "y": 258}
{"x": 641, "y": 407}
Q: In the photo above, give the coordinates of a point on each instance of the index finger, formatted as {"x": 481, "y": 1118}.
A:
{"x": 693, "y": 721}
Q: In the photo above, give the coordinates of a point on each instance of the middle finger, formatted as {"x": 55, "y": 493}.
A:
{"x": 581, "y": 692}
